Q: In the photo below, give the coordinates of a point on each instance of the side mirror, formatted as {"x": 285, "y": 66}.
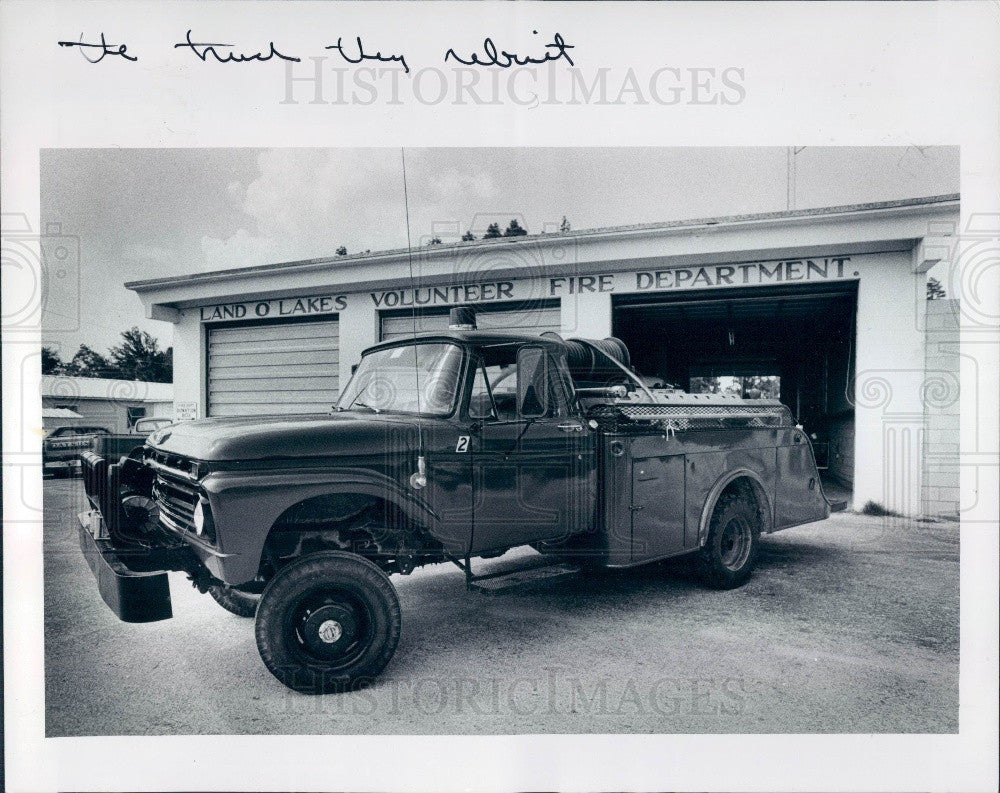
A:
{"x": 532, "y": 382}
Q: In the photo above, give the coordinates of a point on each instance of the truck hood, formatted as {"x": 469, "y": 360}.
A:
{"x": 289, "y": 437}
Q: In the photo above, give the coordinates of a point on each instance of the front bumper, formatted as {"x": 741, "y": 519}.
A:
{"x": 131, "y": 576}
{"x": 134, "y": 595}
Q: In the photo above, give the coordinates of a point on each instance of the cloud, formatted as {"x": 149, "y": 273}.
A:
{"x": 445, "y": 186}
{"x": 244, "y": 249}
{"x": 305, "y": 203}
{"x": 143, "y": 255}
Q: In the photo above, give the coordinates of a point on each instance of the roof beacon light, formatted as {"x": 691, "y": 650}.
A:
{"x": 462, "y": 318}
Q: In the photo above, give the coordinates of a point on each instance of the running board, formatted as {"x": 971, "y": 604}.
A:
{"x": 496, "y": 583}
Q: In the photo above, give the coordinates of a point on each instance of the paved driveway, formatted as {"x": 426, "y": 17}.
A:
{"x": 849, "y": 625}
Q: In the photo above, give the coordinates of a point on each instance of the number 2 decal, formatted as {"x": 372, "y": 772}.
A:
{"x": 463, "y": 444}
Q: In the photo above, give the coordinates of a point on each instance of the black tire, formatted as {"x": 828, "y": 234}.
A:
{"x": 730, "y": 553}
{"x": 242, "y": 604}
{"x": 328, "y": 622}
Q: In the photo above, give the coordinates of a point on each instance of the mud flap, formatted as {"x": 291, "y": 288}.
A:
{"x": 134, "y": 596}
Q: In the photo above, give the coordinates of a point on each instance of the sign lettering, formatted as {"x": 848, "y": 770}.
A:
{"x": 285, "y": 307}
{"x": 752, "y": 274}
{"x": 185, "y": 411}
{"x": 735, "y": 275}
{"x": 528, "y": 289}
{"x": 444, "y": 295}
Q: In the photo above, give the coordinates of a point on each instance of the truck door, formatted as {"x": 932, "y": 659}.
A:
{"x": 533, "y": 455}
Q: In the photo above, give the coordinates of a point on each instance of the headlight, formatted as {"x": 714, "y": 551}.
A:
{"x": 199, "y": 518}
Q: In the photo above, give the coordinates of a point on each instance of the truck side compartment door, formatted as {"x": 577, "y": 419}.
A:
{"x": 657, "y": 506}
{"x": 798, "y": 493}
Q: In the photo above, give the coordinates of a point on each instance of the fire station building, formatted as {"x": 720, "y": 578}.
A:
{"x": 824, "y": 308}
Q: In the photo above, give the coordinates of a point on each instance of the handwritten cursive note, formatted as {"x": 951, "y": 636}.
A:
{"x": 203, "y": 50}
{"x": 492, "y": 57}
{"x": 361, "y": 55}
{"x": 355, "y": 53}
{"x": 105, "y": 48}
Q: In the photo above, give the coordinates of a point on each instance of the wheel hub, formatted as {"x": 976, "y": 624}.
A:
{"x": 734, "y": 544}
{"x": 330, "y": 629}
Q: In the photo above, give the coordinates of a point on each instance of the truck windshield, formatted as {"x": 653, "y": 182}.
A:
{"x": 417, "y": 378}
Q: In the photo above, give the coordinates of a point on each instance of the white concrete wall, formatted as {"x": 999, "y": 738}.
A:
{"x": 941, "y": 410}
{"x": 160, "y": 410}
{"x": 586, "y": 315}
{"x": 189, "y": 360}
{"x": 888, "y": 384}
{"x": 106, "y": 413}
{"x": 358, "y": 330}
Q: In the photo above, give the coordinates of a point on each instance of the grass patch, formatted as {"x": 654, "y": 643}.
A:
{"x": 876, "y": 510}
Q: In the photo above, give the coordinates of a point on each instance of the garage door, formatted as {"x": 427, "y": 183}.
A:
{"x": 273, "y": 368}
{"x": 534, "y": 319}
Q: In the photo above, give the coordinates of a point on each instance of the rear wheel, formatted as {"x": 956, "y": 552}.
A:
{"x": 728, "y": 556}
{"x": 328, "y": 622}
{"x": 242, "y": 604}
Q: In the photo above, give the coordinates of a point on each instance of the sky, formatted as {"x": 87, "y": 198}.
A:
{"x": 134, "y": 214}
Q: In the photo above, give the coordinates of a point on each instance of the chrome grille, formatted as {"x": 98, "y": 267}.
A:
{"x": 172, "y": 464}
{"x": 175, "y": 500}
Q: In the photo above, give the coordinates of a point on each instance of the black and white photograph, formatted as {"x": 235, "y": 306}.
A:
{"x": 624, "y": 445}
{"x": 503, "y": 472}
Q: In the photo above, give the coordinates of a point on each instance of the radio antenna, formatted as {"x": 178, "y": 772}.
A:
{"x": 409, "y": 245}
{"x": 419, "y": 479}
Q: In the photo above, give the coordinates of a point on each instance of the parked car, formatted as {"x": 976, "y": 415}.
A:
{"x": 152, "y": 424}
{"x": 444, "y": 447}
{"x": 61, "y": 448}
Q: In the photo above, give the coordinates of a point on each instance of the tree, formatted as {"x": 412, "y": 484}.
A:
{"x": 88, "y": 362}
{"x": 139, "y": 357}
{"x": 342, "y": 250}
{"x": 705, "y": 385}
{"x": 761, "y": 387}
{"x": 515, "y": 230}
{"x": 51, "y": 362}
{"x": 435, "y": 241}
{"x": 934, "y": 289}
{"x": 468, "y": 237}
{"x": 492, "y": 231}
{"x": 564, "y": 226}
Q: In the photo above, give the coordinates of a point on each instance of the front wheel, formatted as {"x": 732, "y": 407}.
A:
{"x": 729, "y": 554}
{"x": 328, "y": 622}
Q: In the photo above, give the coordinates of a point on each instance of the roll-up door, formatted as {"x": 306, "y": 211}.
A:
{"x": 535, "y": 319}
{"x": 288, "y": 367}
